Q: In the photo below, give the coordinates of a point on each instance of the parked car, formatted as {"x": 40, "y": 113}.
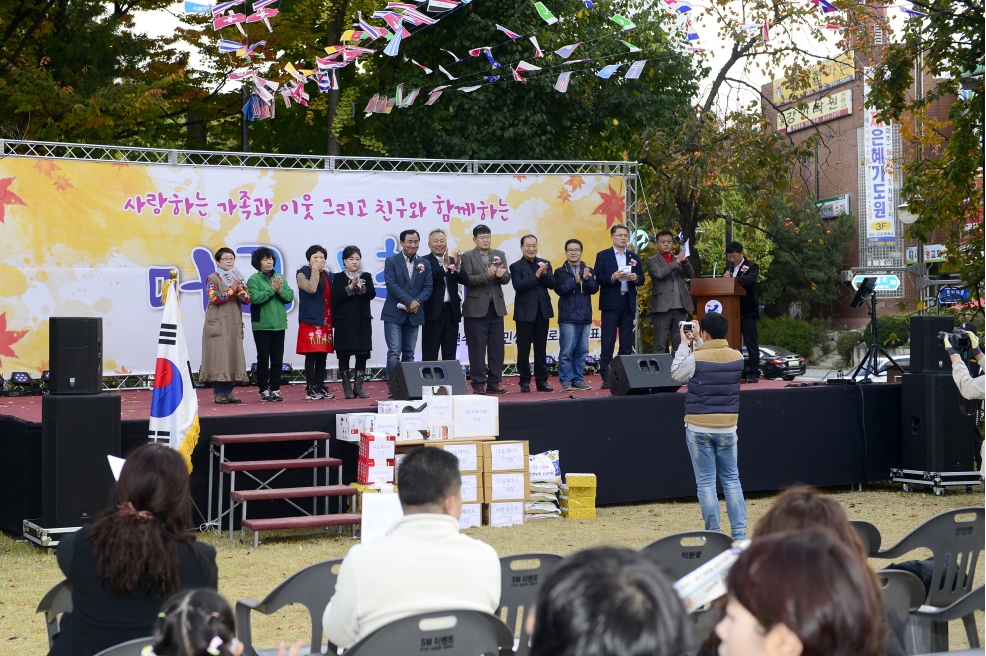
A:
{"x": 777, "y": 362}
{"x": 882, "y": 365}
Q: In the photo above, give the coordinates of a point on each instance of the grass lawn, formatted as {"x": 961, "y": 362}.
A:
{"x": 28, "y": 572}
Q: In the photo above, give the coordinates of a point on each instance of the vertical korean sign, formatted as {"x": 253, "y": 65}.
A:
{"x": 878, "y": 158}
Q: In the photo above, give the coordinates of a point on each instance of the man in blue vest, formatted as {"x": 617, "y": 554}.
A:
{"x": 712, "y": 371}
{"x": 409, "y": 285}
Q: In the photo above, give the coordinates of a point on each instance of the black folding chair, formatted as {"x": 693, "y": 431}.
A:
{"x": 520, "y": 577}
{"x": 868, "y": 534}
{"x": 955, "y": 538}
{"x": 963, "y": 609}
{"x": 903, "y": 592}
{"x": 53, "y": 605}
{"x": 449, "y": 632}
{"x": 129, "y": 648}
{"x": 311, "y": 587}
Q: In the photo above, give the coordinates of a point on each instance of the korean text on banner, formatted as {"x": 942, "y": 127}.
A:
{"x": 878, "y": 151}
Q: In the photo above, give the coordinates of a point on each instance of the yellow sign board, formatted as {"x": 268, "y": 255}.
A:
{"x": 812, "y": 112}
{"x": 824, "y": 75}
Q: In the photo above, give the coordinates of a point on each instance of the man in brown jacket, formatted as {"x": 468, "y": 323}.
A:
{"x": 484, "y": 273}
{"x": 670, "y": 301}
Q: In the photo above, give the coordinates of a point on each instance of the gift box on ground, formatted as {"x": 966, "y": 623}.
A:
{"x": 502, "y": 514}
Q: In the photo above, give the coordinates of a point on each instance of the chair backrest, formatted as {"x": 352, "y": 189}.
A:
{"x": 902, "y": 592}
{"x": 520, "y": 576}
{"x": 312, "y": 587}
{"x": 57, "y": 601}
{"x": 452, "y": 632}
{"x": 955, "y": 538}
{"x": 129, "y": 648}
{"x": 868, "y": 534}
{"x": 681, "y": 553}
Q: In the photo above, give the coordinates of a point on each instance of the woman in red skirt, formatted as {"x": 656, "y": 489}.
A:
{"x": 315, "y": 322}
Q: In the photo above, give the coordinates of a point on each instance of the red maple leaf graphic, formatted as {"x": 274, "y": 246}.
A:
{"x": 563, "y": 195}
{"x": 7, "y": 197}
{"x": 43, "y": 367}
{"x": 520, "y": 178}
{"x": 62, "y": 183}
{"x": 8, "y": 337}
{"x": 46, "y": 167}
{"x": 575, "y": 182}
{"x": 613, "y": 206}
{"x": 122, "y": 370}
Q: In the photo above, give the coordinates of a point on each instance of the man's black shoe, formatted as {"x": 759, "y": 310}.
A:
{"x": 605, "y": 385}
{"x": 545, "y": 387}
{"x": 525, "y": 386}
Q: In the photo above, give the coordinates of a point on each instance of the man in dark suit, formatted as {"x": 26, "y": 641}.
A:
{"x": 531, "y": 277}
{"x": 484, "y": 273}
{"x": 670, "y": 301}
{"x": 442, "y": 311}
{"x": 746, "y": 273}
{"x": 618, "y": 272}
{"x": 409, "y": 285}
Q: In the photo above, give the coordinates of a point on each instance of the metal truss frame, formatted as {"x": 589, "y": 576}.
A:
{"x": 179, "y": 157}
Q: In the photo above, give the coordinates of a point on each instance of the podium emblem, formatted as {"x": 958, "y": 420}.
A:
{"x": 713, "y": 306}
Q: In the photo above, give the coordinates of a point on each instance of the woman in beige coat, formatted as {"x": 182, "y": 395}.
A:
{"x": 223, "y": 363}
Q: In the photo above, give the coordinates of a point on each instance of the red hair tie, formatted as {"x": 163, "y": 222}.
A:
{"x": 127, "y": 510}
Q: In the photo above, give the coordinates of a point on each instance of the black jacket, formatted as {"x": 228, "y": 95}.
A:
{"x": 442, "y": 280}
{"x": 574, "y": 299}
{"x": 352, "y": 323}
{"x": 531, "y": 291}
{"x": 747, "y": 278}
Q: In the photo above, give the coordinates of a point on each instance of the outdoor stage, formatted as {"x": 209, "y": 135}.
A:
{"x": 634, "y": 444}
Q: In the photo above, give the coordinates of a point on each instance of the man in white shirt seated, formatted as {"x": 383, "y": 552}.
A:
{"x": 422, "y": 565}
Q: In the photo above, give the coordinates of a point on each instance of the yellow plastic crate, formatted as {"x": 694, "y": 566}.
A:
{"x": 580, "y": 480}
{"x": 579, "y": 513}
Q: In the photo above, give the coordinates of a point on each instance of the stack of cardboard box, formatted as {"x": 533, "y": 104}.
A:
{"x": 506, "y": 482}
{"x": 470, "y": 455}
{"x": 578, "y": 496}
{"x": 376, "y": 459}
{"x": 468, "y": 417}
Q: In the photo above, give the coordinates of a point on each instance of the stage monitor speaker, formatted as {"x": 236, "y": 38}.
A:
{"x": 927, "y": 355}
{"x": 641, "y": 374}
{"x": 77, "y": 433}
{"x": 938, "y": 436}
{"x": 75, "y": 349}
{"x": 408, "y": 378}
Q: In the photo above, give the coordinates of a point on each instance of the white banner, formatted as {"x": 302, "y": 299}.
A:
{"x": 98, "y": 239}
{"x": 878, "y": 160}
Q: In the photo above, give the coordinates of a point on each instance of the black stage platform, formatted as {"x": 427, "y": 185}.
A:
{"x": 822, "y": 436}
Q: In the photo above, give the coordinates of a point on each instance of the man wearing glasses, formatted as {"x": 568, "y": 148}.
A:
{"x": 575, "y": 284}
{"x": 618, "y": 272}
{"x": 484, "y": 273}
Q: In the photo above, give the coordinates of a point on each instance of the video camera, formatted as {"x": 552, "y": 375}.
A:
{"x": 960, "y": 341}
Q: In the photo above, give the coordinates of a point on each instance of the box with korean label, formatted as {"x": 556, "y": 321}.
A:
{"x": 506, "y": 455}
{"x": 506, "y": 486}
{"x": 440, "y": 418}
{"x": 376, "y": 459}
{"x": 472, "y": 488}
{"x": 475, "y": 415}
{"x": 470, "y": 454}
{"x": 350, "y": 425}
{"x": 503, "y": 514}
{"x": 472, "y": 515}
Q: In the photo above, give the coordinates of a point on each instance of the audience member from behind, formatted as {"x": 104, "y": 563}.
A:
{"x": 802, "y": 592}
{"x": 138, "y": 552}
{"x": 422, "y": 565}
{"x": 804, "y": 508}
{"x": 196, "y": 623}
{"x": 608, "y": 602}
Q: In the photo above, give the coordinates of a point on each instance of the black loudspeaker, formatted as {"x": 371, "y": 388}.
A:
{"x": 927, "y": 355}
{"x": 77, "y": 433}
{"x": 938, "y": 436}
{"x": 641, "y": 374}
{"x": 408, "y": 378}
{"x": 75, "y": 349}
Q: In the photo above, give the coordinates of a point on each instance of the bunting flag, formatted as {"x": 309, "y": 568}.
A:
{"x": 351, "y": 35}
{"x": 220, "y": 22}
{"x": 692, "y": 34}
{"x": 695, "y": 49}
{"x": 221, "y": 8}
{"x": 197, "y": 8}
{"x": 525, "y": 67}
{"x": 684, "y": 9}
{"x": 470, "y": 89}
{"x": 537, "y": 48}
{"x": 335, "y": 80}
{"x": 427, "y": 70}
{"x": 396, "y": 23}
{"x": 373, "y": 32}
{"x": 911, "y": 13}
{"x": 566, "y": 51}
{"x": 545, "y": 14}
{"x": 242, "y": 74}
{"x": 492, "y": 79}
{"x": 607, "y": 71}
{"x": 827, "y": 7}
{"x": 442, "y": 5}
{"x": 400, "y": 94}
{"x": 635, "y": 68}
{"x": 400, "y": 5}
{"x": 512, "y": 35}
{"x": 293, "y": 72}
{"x": 476, "y": 52}
{"x": 450, "y": 76}
{"x": 517, "y": 77}
{"x": 489, "y": 57}
{"x": 766, "y": 31}
{"x": 629, "y": 45}
{"x": 324, "y": 84}
{"x": 561, "y": 85}
{"x": 247, "y": 52}
{"x": 262, "y": 4}
{"x": 227, "y": 46}
{"x": 434, "y": 94}
{"x": 451, "y": 53}
{"x": 264, "y": 15}
{"x": 395, "y": 43}
{"x": 415, "y": 17}
{"x": 412, "y": 97}
{"x": 174, "y": 416}
{"x": 589, "y": 4}
{"x": 625, "y": 23}
{"x": 833, "y": 26}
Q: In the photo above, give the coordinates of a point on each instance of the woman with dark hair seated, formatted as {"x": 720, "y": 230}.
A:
{"x": 608, "y": 602}
{"x": 269, "y": 320}
{"x": 137, "y": 553}
{"x": 352, "y": 291}
{"x": 801, "y": 593}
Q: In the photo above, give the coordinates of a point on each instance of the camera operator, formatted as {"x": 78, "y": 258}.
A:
{"x": 970, "y": 388}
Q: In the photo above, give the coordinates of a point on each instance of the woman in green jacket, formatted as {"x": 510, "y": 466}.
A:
{"x": 269, "y": 293}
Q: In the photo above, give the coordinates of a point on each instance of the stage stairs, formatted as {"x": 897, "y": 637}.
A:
{"x": 308, "y": 459}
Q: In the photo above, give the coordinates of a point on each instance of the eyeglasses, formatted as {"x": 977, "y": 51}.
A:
{"x": 573, "y": 250}
{"x": 227, "y": 259}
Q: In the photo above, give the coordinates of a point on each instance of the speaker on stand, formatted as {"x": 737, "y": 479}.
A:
{"x": 641, "y": 374}
{"x": 408, "y": 378}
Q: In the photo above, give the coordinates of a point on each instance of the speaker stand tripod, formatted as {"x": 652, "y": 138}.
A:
{"x": 874, "y": 350}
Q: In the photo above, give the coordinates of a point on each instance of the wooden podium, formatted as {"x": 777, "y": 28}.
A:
{"x": 726, "y": 292}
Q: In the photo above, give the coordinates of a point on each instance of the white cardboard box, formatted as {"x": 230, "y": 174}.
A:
{"x": 470, "y": 454}
{"x": 377, "y": 447}
{"x": 472, "y": 488}
{"x": 472, "y": 515}
{"x": 505, "y": 514}
{"x": 397, "y": 407}
{"x": 350, "y": 425}
{"x": 387, "y": 424}
{"x": 379, "y": 474}
{"x": 475, "y": 415}
{"x": 414, "y": 426}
